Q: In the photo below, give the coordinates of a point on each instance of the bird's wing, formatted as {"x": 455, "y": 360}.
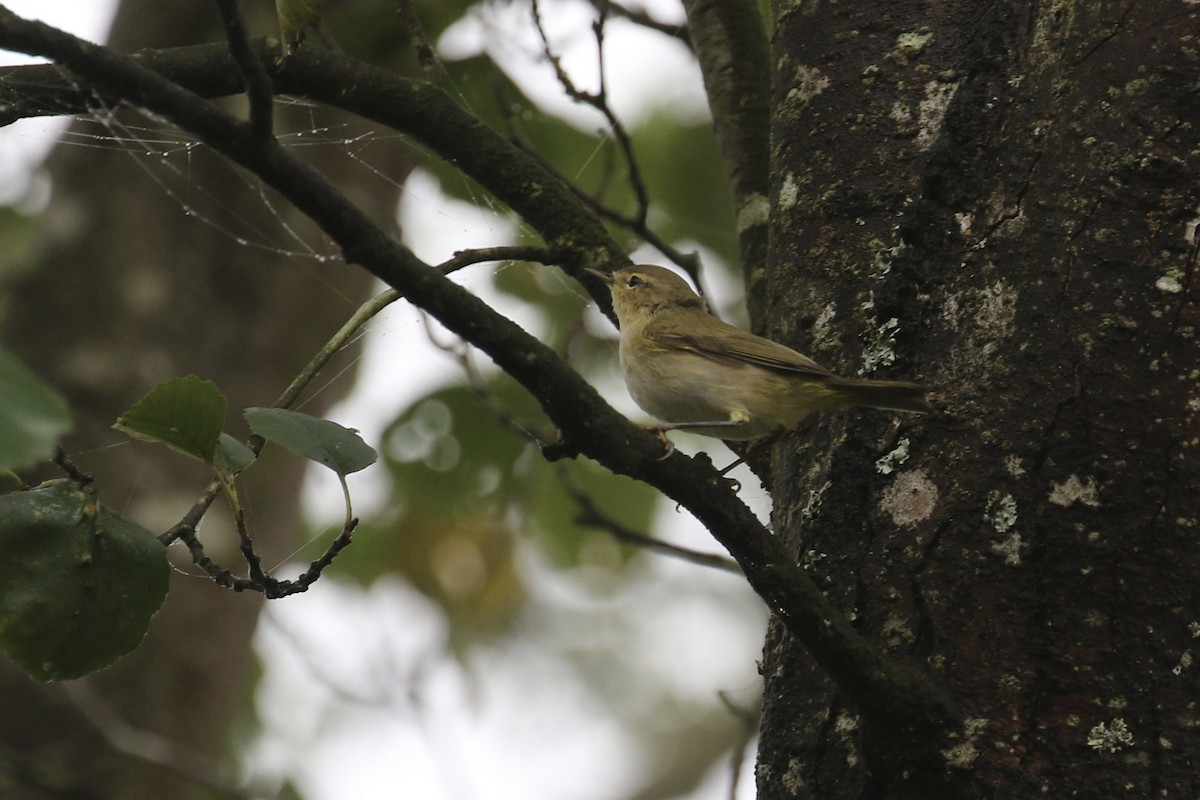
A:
{"x": 737, "y": 346}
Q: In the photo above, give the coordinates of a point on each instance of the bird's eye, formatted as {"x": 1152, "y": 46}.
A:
{"x": 634, "y": 280}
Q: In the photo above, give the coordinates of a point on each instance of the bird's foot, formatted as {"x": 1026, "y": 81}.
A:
{"x": 661, "y": 433}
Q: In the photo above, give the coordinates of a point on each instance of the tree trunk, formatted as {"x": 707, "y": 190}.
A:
{"x": 1003, "y": 199}
{"x": 128, "y": 289}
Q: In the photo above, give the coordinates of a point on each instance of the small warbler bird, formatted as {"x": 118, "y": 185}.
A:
{"x": 695, "y": 372}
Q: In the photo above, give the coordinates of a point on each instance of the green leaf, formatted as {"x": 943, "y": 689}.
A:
{"x": 185, "y": 414}
{"x": 339, "y": 448}
{"x": 78, "y": 582}
{"x": 296, "y": 17}
{"x": 232, "y": 456}
{"x": 32, "y": 415}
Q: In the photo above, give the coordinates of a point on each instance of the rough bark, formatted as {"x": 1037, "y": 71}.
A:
{"x": 1016, "y": 185}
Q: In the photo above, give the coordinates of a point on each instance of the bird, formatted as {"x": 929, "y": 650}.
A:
{"x": 695, "y": 372}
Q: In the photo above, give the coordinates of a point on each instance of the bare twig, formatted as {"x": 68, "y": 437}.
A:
{"x": 69, "y": 467}
{"x": 271, "y": 588}
{"x": 258, "y": 85}
{"x": 673, "y": 29}
{"x": 599, "y": 101}
{"x": 593, "y": 516}
{"x": 426, "y": 55}
{"x": 688, "y": 262}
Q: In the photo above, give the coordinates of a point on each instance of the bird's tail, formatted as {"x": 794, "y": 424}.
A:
{"x": 891, "y": 395}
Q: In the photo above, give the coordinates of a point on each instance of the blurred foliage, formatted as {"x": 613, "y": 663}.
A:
{"x": 681, "y": 167}
{"x": 678, "y": 160}
{"x": 33, "y": 416}
{"x": 468, "y": 485}
{"x": 467, "y": 488}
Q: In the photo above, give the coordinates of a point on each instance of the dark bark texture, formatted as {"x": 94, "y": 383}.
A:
{"x": 1003, "y": 198}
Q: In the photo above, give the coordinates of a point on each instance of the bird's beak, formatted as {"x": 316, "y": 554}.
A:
{"x": 604, "y": 276}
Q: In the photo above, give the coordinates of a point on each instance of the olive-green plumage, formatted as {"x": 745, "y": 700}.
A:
{"x": 693, "y": 371}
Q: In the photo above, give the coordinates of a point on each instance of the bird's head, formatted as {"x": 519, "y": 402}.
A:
{"x": 645, "y": 290}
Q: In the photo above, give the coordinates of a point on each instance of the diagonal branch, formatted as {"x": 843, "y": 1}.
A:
{"x": 888, "y": 692}
{"x": 418, "y": 109}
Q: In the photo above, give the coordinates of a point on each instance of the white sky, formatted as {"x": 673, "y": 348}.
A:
{"x": 521, "y": 724}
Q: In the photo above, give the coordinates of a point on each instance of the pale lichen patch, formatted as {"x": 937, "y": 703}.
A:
{"x": 1169, "y": 284}
{"x": 911, "y": 499}
{"x": 886, "y": 464}
{"x": 909, "y": 46}
{"x": 1001, "y": 512}
{"x": 997, "y": 308}
{"x": 789, "y": 192}
{"x": 754, "y": 211}
{"x": 793, "y": 779}
{"x": 1110, "y": 737}
{"x": 1010, "y": 548}
{"x": 807, "y": 83}
{"x": 845, "y": 726}
{"x": 932, "y": 110}
{"x": 1073, "y": 490}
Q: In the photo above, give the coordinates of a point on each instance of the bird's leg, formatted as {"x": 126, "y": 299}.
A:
{"x": 721, "y": 423}
{"x": 750, "y": 448}
{"x": 737, "y": 418}
{"x": 736, "y": 463}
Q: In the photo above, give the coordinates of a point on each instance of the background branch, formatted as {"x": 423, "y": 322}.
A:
{"x": 730, "y": 41}
{"x": 258, "y": 85}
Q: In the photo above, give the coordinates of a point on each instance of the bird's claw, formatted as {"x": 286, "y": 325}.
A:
{"x": 662, "y": 437}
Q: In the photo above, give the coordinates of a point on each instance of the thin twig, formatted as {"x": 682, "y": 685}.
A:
{"x": 426, "y": 55}
{"x": 688, "y": 262}
{"x": 599, "y": 101}
{"x": 593, "y": 516}
{"x": 254, "y": 75}
{"x": 271, "y": 588}
{"x": 675, "y": 30}
{"x": 70, "y": 468}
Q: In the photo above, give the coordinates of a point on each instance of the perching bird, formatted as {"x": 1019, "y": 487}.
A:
{"x": 695, "y": 372}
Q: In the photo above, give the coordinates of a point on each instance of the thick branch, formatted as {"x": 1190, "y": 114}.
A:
{"x": 897, "y": 697}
